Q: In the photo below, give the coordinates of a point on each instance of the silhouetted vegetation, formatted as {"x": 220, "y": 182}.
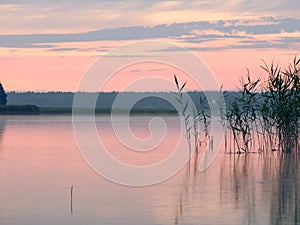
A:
{"x": 196, "y": 118}
{"x": 68, "y": 110}
{"x": 105, "y": 99}
{"x": 266, "y": 115}
{"x": 3, "y": 96}
{"x": 19, "y": 109}
{"x": 261, "y": 116}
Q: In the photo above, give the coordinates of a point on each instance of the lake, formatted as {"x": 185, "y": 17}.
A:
{"x": 40, "y": 162}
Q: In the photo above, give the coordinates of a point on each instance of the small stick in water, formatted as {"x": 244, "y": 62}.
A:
{"x": 72, "y": 199}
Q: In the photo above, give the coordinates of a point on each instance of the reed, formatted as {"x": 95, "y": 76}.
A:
{"x": 222, "y": 107}
{"x": 265, "y": 116}
{"x": 197, "y": 121}
{"x": 282, "y": 100}
{"x": 242, "y": 114}
{"x": 184, "y": 103}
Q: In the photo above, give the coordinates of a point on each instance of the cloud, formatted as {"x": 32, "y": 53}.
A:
{"x": 260, "y": 45}
{"x": 149, "y": 70}
{"x": 25, "y": 45}
{"x": 290, "y": 40}
{"x": 204, "y": 48}
{"x": 211, "y": 37}
{"x": 136, "y": 71}
{"x": 243, "y": 31}
{"x": 62, "y": 16}
{"x": 124, "y": 33}
{"x": 272, "y": 26}
{"x": 155, "y": 70}
{"x": 63, "y": 49}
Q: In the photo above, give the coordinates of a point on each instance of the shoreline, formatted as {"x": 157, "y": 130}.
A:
{"x": 35, "y": 110}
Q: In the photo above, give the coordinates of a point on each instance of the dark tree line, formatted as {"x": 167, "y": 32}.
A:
{"x": 3, "y": 96}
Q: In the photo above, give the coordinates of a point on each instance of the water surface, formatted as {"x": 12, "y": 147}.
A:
{"x": 40, "y": 161}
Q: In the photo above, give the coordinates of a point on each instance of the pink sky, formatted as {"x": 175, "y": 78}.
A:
{"x": 35, "y": 56}
{"x": 54, "y": 73}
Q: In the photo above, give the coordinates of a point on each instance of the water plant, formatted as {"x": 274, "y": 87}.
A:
{"x": 282, "y": 100}
{"x": 184, "y": 103}
{"x": 265, "y": 115}
{"x": 196, "y": 120}
{"x": 242, "y": 114}
{"x": 223, "y": 117}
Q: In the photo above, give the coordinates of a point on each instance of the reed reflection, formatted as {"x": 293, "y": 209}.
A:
{"x": 255, "y": 188}
{"x": 2, "y": 127}
{"x": 285, "y": 199}
{"x": 263, "y": 184}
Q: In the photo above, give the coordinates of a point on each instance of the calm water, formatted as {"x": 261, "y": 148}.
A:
{"x": 40, "y": 161}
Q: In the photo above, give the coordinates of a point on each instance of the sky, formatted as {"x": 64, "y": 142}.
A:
{"x": 52, "y": 45}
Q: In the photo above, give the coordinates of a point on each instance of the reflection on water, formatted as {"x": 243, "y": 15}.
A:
{"x": 286, "y": 200}
{"x": 264, "y": 184}
{"x": 2, "y": 127}
{"x": 40, "y": 162}
{"x": 241, "y": 189}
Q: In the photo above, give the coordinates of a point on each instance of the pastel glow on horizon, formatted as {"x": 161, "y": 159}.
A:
{"x": 50, "y": 49}
{"x": 42, "y": 74}
{"x": 127, "y": 76}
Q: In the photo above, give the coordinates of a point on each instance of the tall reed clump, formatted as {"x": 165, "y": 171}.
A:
{"x": 266, "y": 115}
{"x": 281, "y": 110}
{"x": 196, "y": 120}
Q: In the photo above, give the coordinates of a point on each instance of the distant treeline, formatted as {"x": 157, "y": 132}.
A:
{"x": 19, "y": 109}
{"x": 106, "y": 99}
